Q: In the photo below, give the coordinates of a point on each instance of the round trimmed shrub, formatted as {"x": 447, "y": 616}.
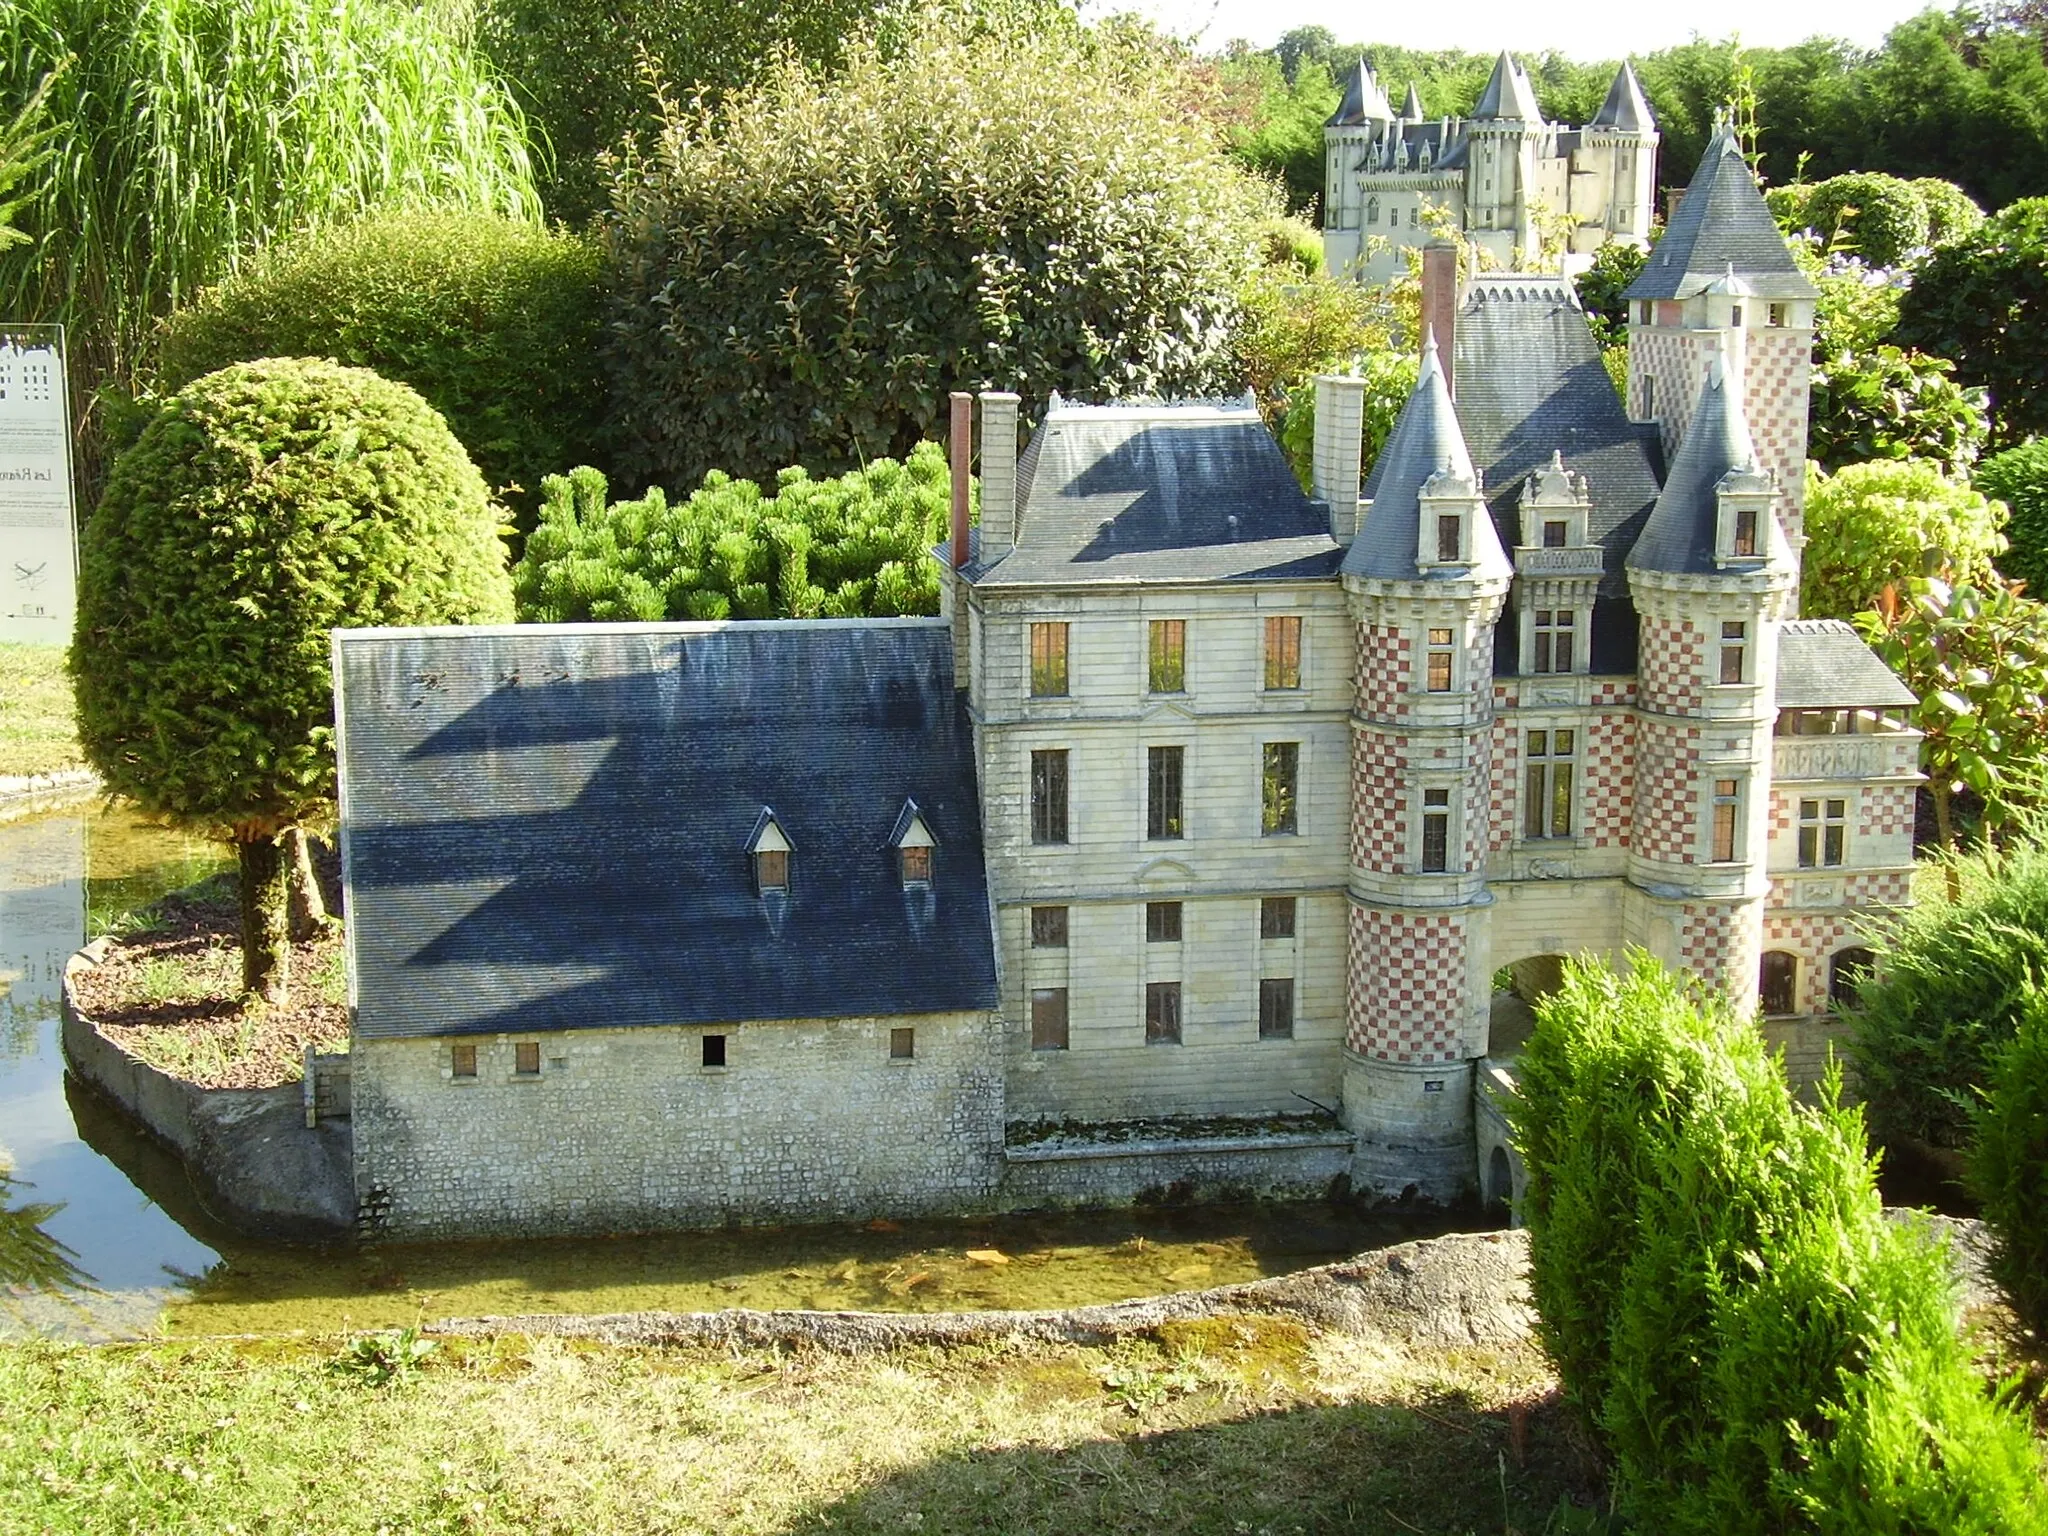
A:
{"x": 1881, "y": 217}
{"x": 496, "y": 322}
{"x": 2019, "y": 478}
{"x": 1951, "y": 212}
{"x": 264, "y": 506}
{"x": 1869, "y": 526}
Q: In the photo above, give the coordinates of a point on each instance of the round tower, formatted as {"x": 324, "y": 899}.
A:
{"x": 1504, "y": 135}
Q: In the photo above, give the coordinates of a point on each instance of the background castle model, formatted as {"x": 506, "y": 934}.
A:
{"x": 1393, "y": 179}
{"x": 1204, "y": 802}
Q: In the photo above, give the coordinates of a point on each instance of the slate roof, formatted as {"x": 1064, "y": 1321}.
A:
{"x": 1411, "y": 108}
{"x": 1625, "y": 107}
{"x": 1722, "y": 222}
{"x": 1147, "y": 491}
{"x": 1530, "y": 380}
{"x": 544, "y": 827}
{"x": 1364, "y": 101}
{"x": 1824, "y": 664}
{"x": 1679, "y": 537}
{"x": 1508, "y": 95}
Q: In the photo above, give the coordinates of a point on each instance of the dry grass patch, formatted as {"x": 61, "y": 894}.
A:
{"x": 38, "y": 727}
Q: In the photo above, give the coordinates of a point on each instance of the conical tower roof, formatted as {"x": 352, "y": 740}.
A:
{"x": 1508, "y": 95}
{"x": 1411, "y": 109}
{"x": 1626, "y": 109}
{"x": 1722, "y": 226}
{"x": 1679, "y": 534}
{"x": 1364, "y": 101}
{"x": 1426, "y": 441}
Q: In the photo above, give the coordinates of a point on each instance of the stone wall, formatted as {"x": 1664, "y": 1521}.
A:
{"x": 1275, "y": 1167}
{"x": 627, "y": 1129}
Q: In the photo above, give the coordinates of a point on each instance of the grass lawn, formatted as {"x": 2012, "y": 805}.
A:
{"x": 1227, "y": 1427}
{"x": 37, "y": 731}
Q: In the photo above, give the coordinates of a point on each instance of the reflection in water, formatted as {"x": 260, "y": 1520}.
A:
{"x": 31, "y": 1259}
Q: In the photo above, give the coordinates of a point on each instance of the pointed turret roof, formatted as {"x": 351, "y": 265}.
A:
{"x": 1508, "y": 95}
{"x": 1679, "y": 536}
{"x": 1426, "y": 440}
{"x": 1721, "y": 226}
{"x": 1625, "y": 109}
{"x": 1364, "y": 101}
{"x": 1411, "y": 109}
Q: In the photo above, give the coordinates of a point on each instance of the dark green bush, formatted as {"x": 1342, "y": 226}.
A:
{"x": 496, "y": 322}
{"x": 1951, "y": 212}
{"x": 806, "y": 272}
{"x": 1982, "y": 299}
{"x": 1948, "y": 992}
{"x": 2009, "y": 1165}
{"x": 2019, "y": 478}
{"x": 1756, "y": 1348}
{"x": 858, "y": 545}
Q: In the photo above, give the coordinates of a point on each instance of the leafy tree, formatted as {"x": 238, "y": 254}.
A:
{"x": 1951, "y": 212}
{"x": 1281, "y": 137}
{"x": 1389, "y": 381}
{"x": 804, "y": 274}
{"x": 1889, "y": 404}
{"x": 842, "y": 548}
{"x": 2019, "y": 478}
{"x": 263, "y": 507}
{"x": 1601, "y": 286}
{"x": 1874, "y": 526}
{"x": 2008, "y": 1168}
{"x": 496, "y": 322}
{"x": 1982, "y": 299}
{"x": 1977, "y": 656}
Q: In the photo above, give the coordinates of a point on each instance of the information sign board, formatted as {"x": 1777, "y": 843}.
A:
{"x": 38, "y": 531}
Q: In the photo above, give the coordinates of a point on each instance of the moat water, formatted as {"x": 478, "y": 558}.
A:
{"x": 100, "y": 1234}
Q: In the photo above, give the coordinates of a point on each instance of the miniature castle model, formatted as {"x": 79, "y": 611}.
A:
{"x": 1203, "y": 804}
{"x": 1393, "y": 178}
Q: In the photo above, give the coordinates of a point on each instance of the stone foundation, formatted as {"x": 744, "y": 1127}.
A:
{"x": 1076, "y": 1172}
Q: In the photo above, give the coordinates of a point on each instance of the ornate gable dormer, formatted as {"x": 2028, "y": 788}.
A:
{"x": 1557, "y": 569}
{"x": 769, "y": 847}
{"x": 1450, "y": 508}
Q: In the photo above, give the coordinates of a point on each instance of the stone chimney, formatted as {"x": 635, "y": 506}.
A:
{"x": 998, "y": 474}
{"x": 1440, "y": 305}
{"x": 960, "y": 457}
{"x": 1340, "y": 440}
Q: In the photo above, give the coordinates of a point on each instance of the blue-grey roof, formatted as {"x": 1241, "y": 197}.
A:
{"x": 1824, "y": 664}
{"x": 1364, "y": 101}
{"x": 1426, "y": 440}
{"x": 545, "y": 827}
{"x": 1191, "y": 491}
{"x": 1530, "y": 381}
{"x": 1679, "y": 536}
{"x": 1508, "y": 94}
{"x": 1411, "y": 107}
{"x": 1721, "y": 223}
{"x": 1625, "y": 108}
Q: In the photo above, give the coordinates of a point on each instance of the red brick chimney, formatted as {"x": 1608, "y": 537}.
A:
{"x": 1440, "y": 304}
{"x": 960, "y": 450}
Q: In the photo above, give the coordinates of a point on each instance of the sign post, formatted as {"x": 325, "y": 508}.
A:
{"x": 38, "y": 527}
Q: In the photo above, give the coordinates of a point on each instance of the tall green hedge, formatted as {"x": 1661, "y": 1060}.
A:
{"x": 496, "y": 322}
{"x": 805, "y": 273}
{"x": 1755, "y": 1347}
{"x": 2019, "y": 478}
{"x": 2008, "y": 1168}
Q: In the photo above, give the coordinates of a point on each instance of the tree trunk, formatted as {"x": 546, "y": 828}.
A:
{"x": 1945, "y": 833}
{"x": 307, "y": 906}
{"x": 266, "y": 941}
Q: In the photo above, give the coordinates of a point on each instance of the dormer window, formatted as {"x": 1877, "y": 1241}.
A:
{"x": 1450, "y": 538}
{"x": 917, "y": 866}
{"x": 1745, "y": 531}
{"x": 914, "y": 844}
{"x": 1554, "y": 534}
{"x": 1742, "y": 526}
{"x": 1778, "y": 312}
{"x": 769, "y": 847}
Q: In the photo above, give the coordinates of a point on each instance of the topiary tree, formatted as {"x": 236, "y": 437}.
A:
{"x": 2019, "y": 478}
{"x": 1982, "y": 299}
{"x": 495, "y": 321}
{"x": 1872, "y": 526}
{"x": 1951, "y": 212}
{"x": 1881, "y": 218}
{"x": 1887, "y": 404}
{"x": 2008, "y": 1165}
{"x": 264, "y": 506}
{"x": 805, "y": 273}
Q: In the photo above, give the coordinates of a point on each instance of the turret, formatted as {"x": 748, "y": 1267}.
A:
{"x": 1355, "y": 140}
{"x": 1614, "y": 185}
{"x": 1500, "y": 183}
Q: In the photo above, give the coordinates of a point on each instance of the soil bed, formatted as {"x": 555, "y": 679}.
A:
{"x": 169, "y": 993}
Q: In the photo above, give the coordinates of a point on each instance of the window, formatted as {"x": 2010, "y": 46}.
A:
{"x": 1048, "y": 927}
{"x": 902, "y": 1044}
{"x": 1162, "y": 922}
{"x": 1777, "y": 985}
{"x": 1846, "y": 973}
{"x": 1049, "y": 797}
{"x": 1735, "y": 314}
{"x": 1649, "y": 396}
{"x": 1049, "y": 1019}
{"x": 1436, "y": 831}
{"x": 917, "y": 866}
{"x": 1642, "y": 312}
{"x": 1734, "y": 650}
{"x": 1823, "y": 831}
{"x": 1276, "y": 917}
{"x": 526, "y": 1058}
{"x": 1745, "y": 530}
{"x": 1162, "y": 1013}
{"x": 1554, "y": 630}
{"x": 713, "y": 1050}
{"x": 771, "y": 870}
{"x": 1727, "y": 805}
{"x": 1276, "y": 1007}
{"x": 1277, "y": 788}
{"x": 1554, "y": 534}
{"x": 462, "y": 1061}
{"x": 1777, "y": 313}
{"x": 1283, "y": 652}
{"x": 1167, "y": 670}
{"x": 1048, "y": 661}
{"x": 1438, "y": 679}
{"x": 1162, "y": 792}
{"x": 1450, "y": 542}
{"x": 1547, "y": 783}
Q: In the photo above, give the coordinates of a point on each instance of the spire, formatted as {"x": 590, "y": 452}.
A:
{"x": 1364, "y": 101}
{"x": 1625, "y": 110}
{"x": 1722, "y": 227}
{"x": 1411, "y": 109}
{"x": 1508, "y": 96}
{"x": 1427, "y": 443}
{"x": 1680, "y": 533}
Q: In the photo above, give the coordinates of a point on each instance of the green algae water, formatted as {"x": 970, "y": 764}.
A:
{"x": 111, "y": 1240}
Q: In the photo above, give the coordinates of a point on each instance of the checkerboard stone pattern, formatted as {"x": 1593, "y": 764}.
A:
{"x": 1384, "y": 657}
{"x": 1674, "y": 666}
{"x": 1504, "y": 781}
{"x": 1886, "y": 810}
{"x": 1667, "y": 792}
{"x": 1718, "y": 942}
{"x": 1778, "y": 375}
{"x": 1677, "y": 361}
{"x": 1815, "y": 938}
{"x": 1379, "y": 802}
{"x": 1407, "y": 986}
{"x": 1608, "y": 801}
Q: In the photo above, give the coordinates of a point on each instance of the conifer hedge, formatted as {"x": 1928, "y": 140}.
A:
{"x": 1754, "y": 1345}
{"x": 2008, "y": 1167}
